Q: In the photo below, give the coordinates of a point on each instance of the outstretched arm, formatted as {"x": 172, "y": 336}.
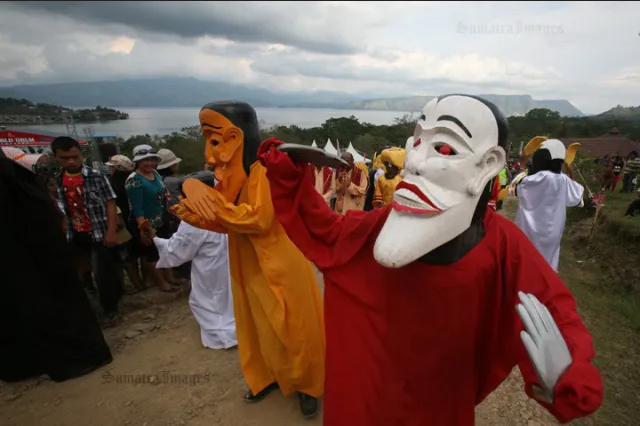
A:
{"x": 577, "y": 392}
{"x": 575, "y": 193}
{"x": 253, "y": 217}
{"x": 181, "y": 247}
{"x": 325, "y": 238}
{"x": 511, "y": 189}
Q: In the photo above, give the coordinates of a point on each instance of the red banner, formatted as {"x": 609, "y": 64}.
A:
{"x": 18, "y": 139}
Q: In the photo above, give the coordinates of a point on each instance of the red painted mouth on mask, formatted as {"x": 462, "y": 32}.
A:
{"x": 413, "y": 188}
{"x": 413, "y": 210}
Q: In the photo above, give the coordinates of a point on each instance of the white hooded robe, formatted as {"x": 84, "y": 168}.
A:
{"x": 210, "y": 299}
{"x": 543, "y": 200}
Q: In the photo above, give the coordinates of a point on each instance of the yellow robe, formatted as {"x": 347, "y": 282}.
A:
{"x": 277, "y": 302}
{"x": 385, "y": 189}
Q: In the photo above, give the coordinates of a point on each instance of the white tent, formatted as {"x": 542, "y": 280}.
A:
{"x": 356, "y": 155}
{"x": 330, "y": 148}
{"x": 313, "y": 144}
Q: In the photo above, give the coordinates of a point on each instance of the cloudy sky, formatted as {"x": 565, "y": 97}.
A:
{"x": 586, "y": 52}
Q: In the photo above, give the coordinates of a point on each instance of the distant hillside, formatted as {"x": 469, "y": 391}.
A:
{"x": 21, "y": 111}
{"x": 510, "y": 105}
{"x": 190, "y": 92}
{"x": 165, "y": 92}
{"x": 630, "y": 113}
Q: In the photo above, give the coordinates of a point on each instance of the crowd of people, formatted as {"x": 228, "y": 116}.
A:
{"x": 431, "y": 298}
{"x": 119, "y": 223}
{"x": 615, "y": 168}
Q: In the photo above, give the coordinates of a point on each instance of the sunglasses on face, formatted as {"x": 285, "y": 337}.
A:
{"x": 146, "y": 151}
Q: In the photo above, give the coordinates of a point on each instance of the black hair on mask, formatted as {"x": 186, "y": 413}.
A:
{"x": 205, "y": 177}
{"x": 542, "y": 161}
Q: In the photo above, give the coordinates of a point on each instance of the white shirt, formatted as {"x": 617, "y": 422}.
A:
{"x": 210, "y": 299}
{"x": 543, "y": 200}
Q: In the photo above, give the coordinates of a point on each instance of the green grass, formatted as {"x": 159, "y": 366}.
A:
{"x": 602, "y": 271}
{"x": 627, "y": 228}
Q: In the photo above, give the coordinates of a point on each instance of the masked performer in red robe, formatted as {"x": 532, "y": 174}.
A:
{"x": 432, "y": 301}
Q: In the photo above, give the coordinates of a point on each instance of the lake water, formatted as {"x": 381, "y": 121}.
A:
{"x": 161, "y": 121}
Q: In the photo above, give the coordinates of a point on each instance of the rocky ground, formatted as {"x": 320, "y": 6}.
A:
{"x": 162, "y": 376}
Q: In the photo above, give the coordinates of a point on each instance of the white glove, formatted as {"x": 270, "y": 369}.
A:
{"x": 544, "y": 343}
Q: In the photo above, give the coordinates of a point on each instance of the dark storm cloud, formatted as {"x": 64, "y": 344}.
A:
{"x": 259, "y": 22}
{"x": 285, "y": 65}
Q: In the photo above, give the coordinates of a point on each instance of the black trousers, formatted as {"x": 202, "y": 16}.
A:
{"x": 106, "y": 264}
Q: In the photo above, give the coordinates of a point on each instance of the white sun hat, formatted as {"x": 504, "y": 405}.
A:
{"x": 143, "y": 152}
{"x": 167, "y": 159}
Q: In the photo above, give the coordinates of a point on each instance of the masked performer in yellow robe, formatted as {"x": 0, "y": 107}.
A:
{"x": 392, "y": 160}
{"x": 277, "y": 303}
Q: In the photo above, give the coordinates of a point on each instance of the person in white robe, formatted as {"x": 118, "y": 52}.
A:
{"x": 544, "y": 196}
{"x": 210, "y": 300}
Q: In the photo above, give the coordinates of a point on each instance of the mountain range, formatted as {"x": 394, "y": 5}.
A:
{"x": 509, "y": 104}
{"x": 190, "y": 92}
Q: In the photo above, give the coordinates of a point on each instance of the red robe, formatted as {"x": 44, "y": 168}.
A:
{"x": 423, "y": 345}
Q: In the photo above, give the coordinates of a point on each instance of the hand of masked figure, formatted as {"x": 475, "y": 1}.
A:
{"x": 198, "y": 208}
{"x": 544, "y": 343}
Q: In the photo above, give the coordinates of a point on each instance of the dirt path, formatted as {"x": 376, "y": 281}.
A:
{"x": 181, "y": 383}
{"x": 159, "y": 345}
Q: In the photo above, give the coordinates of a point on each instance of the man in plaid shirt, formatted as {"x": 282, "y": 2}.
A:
{"x": 91, "y": 216}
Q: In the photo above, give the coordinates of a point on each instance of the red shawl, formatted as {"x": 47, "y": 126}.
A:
{"x": 356, "y": 175}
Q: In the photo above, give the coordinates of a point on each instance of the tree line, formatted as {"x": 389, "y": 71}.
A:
{"x": 14, "y": 106}
{"x": 368, "y": 138}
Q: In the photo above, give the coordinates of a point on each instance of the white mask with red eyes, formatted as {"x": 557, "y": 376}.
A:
{"x": 452, "y": 156}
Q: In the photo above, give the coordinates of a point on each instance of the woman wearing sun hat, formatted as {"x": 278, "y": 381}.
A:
{"x": 148, "y": 200}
